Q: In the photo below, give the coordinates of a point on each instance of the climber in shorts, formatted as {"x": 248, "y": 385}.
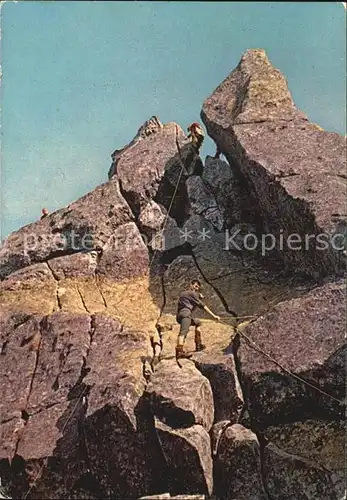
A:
{"x": 196, "y": 135}
{"x": 187, "y": 303}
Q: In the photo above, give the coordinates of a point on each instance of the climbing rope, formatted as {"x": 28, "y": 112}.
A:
{"x": 253, "y": 345}
{"x": 161, "y": 232}
{"x": 239, "y": 317}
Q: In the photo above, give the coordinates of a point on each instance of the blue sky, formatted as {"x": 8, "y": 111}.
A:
{"x": 79, "y": 78}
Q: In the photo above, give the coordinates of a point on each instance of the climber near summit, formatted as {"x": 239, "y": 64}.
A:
{"x": 187, "y": 302}
{"x": 196, "y": 134}
{"x": 44, "y": 213}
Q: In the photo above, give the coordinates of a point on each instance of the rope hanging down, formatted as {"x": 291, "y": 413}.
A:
{"x": 161, "y": 232}
{"x": 253, "y": 345}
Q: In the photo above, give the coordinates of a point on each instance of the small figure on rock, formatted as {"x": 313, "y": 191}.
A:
{"x": 187, "y": 303}
{"x": 44, "y": 213}
{"x": 157, "y": 346}
{"x": 196, "y": 134}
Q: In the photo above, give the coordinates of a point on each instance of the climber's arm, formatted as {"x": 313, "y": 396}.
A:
{"x": 211, "y": 313}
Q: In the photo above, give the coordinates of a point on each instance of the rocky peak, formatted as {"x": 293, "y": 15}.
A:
{"x": 88, "y": 297}
{"x": 150, "y": 127}
{"x": 287, "y": 165}
{"x": 255, "y": 91}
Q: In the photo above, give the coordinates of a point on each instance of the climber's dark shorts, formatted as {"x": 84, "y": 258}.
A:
{"x": 185, "y": 319}
{"x": 198, "y": 141}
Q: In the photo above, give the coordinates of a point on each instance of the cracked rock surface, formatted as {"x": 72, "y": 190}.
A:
{"x": 291, "y": 166}
{"x": 88, "y": 295}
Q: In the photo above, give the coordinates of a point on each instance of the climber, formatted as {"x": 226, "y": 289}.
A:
{"x": 187, "y": 302}
{"x": 196, "y": 134}
{"x": 44, "y": 212}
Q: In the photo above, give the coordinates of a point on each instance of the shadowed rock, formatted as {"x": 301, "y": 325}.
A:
{"x": 177, "y": 278}
{"x": 234, "y": 199}
{"x": 316, "y": 440}
{"x": 290, "y": 477}
{"x": 220, "y": 370}
{"x": 202, "y": 201}
{"x": 216, "y": 433}
{"x": 237, "y": 466}
{"x": 312, "y": 453}
{"x": 188, "y": 455}
{"x": 240, "y": 281}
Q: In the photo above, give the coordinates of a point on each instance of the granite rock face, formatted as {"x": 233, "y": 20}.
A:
{"x": 161, "y": 161}
{"x": 222, "y": 374}
{"x": 181, "y": 396}
{"x": 292, "y": 477}
{"x": 98, "y": 221}
{"x": 88, "y": 296}
{"x": 188, "y": 455}
{"x": 308, "y": 450}
{"x": 306, "y": 336}
{"x": 238, "y": 465}
{"x": 290, "y": 166}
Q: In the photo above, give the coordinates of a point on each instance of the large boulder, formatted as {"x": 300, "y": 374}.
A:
{"x": 306, "y": 336}
{"x": 290, "y": 477}
{"x": 188, "y": 455}
{"x": 82, "y": 264}
{"x": 306, "y": 460}
{"x": 220, "y": 370}
{"x": 150, "y": 127}
{"x": 125, "y": 256}
{"x": 289, "y": 166}
{"x": 155, "y": 166}
{"x": 238, "y": 466}
{"x": 181, "y": 396}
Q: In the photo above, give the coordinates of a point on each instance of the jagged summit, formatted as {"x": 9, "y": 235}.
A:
{"x": 254, "y": 92}
{"x": 150, "y": 127}
{"x": 89, "y": 293}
